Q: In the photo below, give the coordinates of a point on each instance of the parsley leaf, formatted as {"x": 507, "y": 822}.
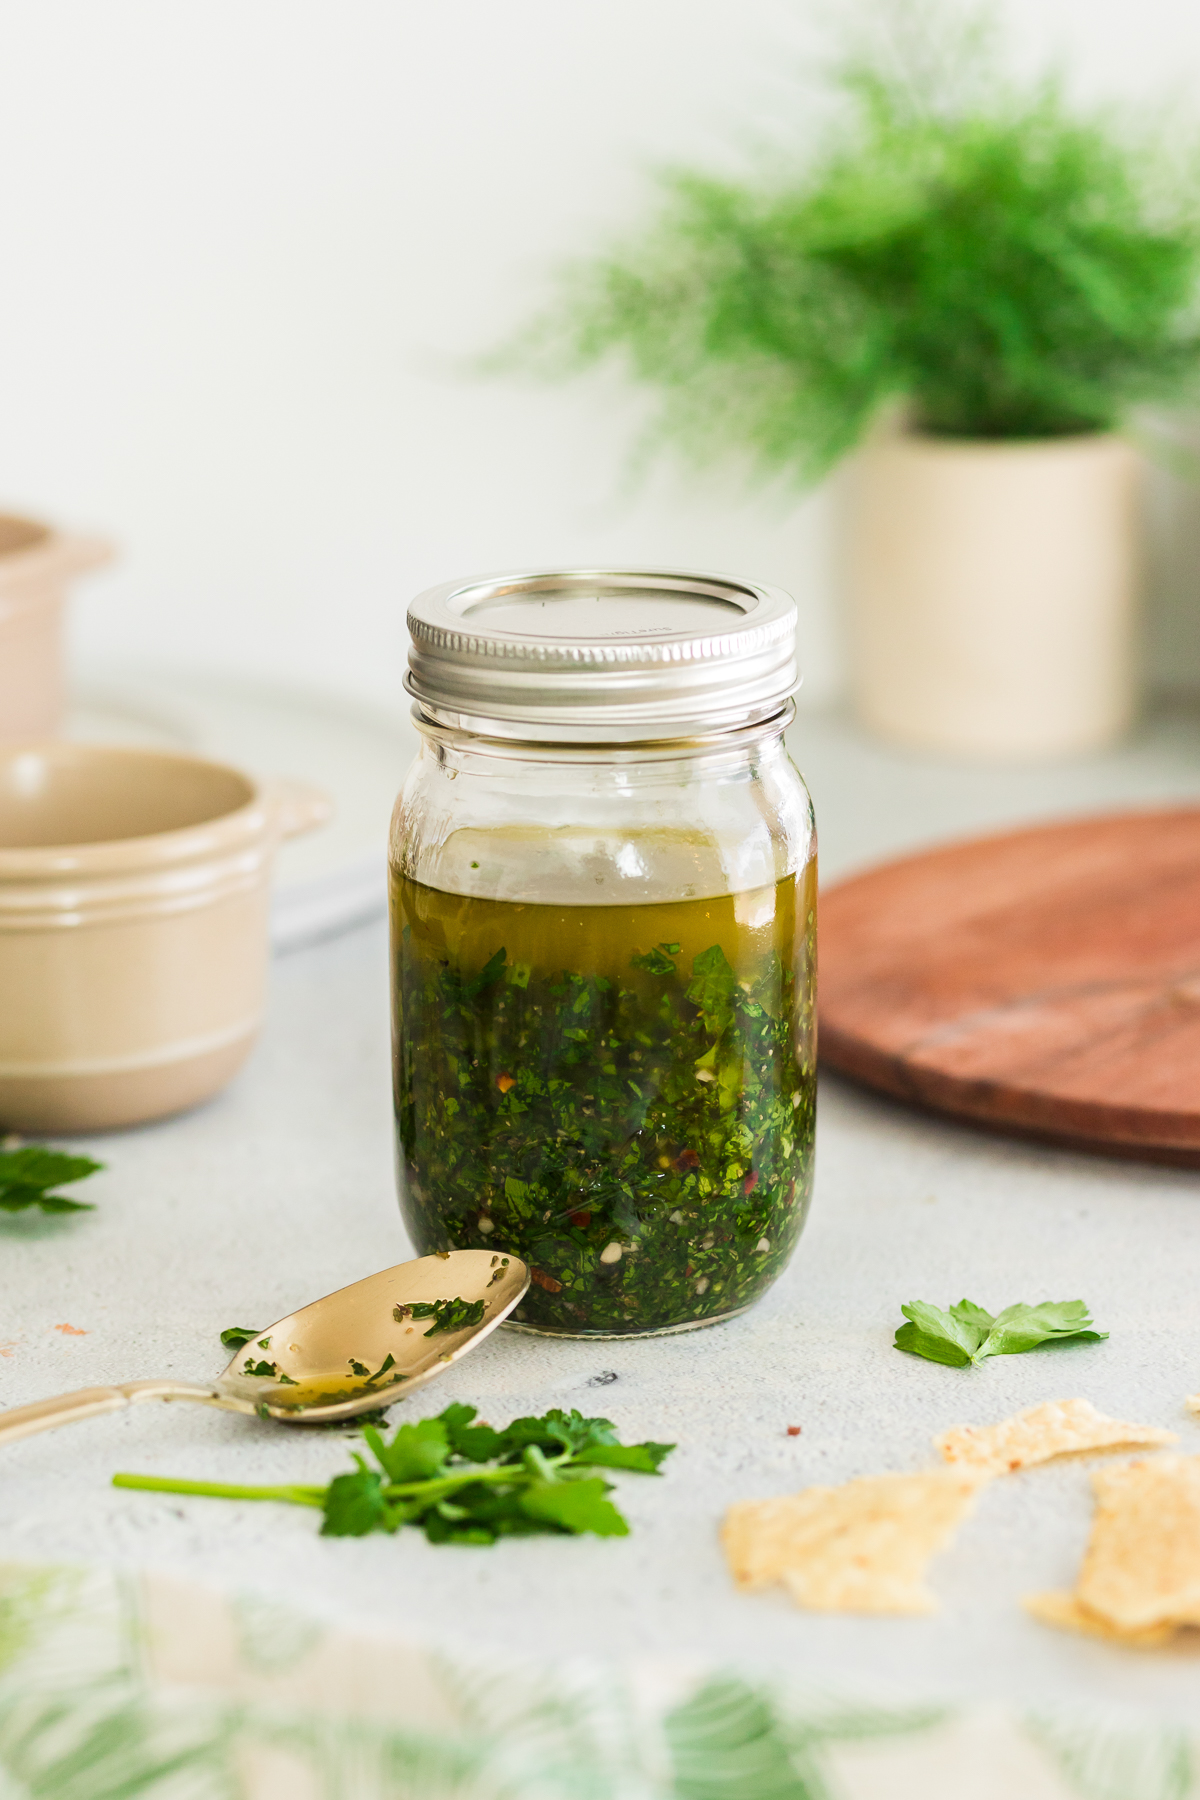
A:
{"x": 947, "y": 1337}
{"x": 465, "y": 1483}
{"x": 575, "y": 1506}
{"x": 1024, "y": 1327}
{"x": 556, "y": 1431}
{"x": 415, "y": 1453}
{"x": 354, "y": 1505}
{"x": 967, "y": 1335}
{"x": 712, "y": 988}
{"x": 234, "y": 1336}
{"x": 645, "y": 1458}
{"x": 27, "y": 1175}
{"x": 473, "y": 1443}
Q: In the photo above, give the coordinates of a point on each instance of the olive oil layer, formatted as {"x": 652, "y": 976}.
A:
{"x": 621, "y": 1095}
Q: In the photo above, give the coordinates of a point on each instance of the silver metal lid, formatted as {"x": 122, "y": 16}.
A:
{"x": 601, "y": 655}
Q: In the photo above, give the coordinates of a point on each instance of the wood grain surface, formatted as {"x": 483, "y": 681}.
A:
{"x": 1046, "y": 981}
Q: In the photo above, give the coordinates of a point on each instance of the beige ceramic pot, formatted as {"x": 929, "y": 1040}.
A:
{"x": 134, "y": 888}
{"x": 992, "y": 592}
{"x": 35, "y": 566}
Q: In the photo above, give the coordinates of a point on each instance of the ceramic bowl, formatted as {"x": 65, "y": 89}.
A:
{"x": 134, "y": 891}
{"x": 35, "y": 566}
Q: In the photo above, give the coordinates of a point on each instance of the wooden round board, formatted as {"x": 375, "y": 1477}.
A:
{"x": 1045, "y": 982}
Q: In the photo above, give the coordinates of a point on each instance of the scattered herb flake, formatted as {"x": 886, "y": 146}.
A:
{"x": 967, "y": 1335}
{"x": 463, "y": 1482}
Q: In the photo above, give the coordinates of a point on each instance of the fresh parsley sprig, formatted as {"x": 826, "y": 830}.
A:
{"x": 28, "y": 1174}
{"x": 463, "y": 1482}
{"x": 967, "y": 1335}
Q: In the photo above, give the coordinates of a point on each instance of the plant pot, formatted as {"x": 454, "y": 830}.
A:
{"x": 35, "y": 566}
{"x": 134, "y": 887}
{"x": 992, "y": 593}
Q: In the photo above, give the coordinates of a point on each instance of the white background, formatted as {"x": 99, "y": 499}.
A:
{"x": 247, "y": 244}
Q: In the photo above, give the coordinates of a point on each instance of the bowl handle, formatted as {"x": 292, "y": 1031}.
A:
{"x": 296, "y": 806}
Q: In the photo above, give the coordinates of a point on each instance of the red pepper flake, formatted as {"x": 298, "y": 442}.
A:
{"x": 751, "y": 1182}
{"x": 540, "y": 1279}
{"x": 793, "y": 1430}
{"x": 582, "y": 1219}
{"x": 71, "y": 1330}
{"x": 504, "y": 1082}
{"x": 685, "y": 1162}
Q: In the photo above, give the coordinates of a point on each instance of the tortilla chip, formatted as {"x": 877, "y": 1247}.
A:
{"x": 1142, "y": 1564}
{"x": 1069, "y": 1613}
{"x": 863, "y": 1547}
{"x": 1192, "y": 1402}
{"x": 1056, "y": 1428}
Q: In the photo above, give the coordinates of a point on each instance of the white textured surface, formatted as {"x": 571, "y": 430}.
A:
{"x": 282, "y": 1189}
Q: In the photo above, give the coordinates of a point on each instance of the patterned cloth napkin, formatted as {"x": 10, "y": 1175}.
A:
{"x": 117, "y": 1686}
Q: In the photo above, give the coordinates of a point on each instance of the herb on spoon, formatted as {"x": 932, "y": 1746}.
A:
{"x": 28, "y": 1174}
{"x": 462, "y": 1482}
{"x": 447, "y": 1315}
{"x": 234, "y": 1336}
{"x": 967, "y": 1335}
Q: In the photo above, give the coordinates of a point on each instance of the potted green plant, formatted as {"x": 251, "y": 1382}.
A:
{"x": 969, "y": 283}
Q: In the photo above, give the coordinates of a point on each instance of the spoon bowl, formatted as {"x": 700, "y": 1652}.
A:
{"x": 351, "y": 1353}
{"x": 364, "y": 1347}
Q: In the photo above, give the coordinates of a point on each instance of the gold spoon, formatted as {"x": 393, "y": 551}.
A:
{"x": 353, "y": 1351}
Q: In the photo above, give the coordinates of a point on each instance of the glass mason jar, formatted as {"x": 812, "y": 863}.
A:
{"x": 603, "y": 905}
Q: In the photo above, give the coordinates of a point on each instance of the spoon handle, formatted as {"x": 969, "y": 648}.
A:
{"x": 87, "y": 1403}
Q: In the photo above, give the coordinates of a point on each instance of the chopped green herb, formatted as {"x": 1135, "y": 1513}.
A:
{"x": 266, "y": 1371}
{"x": 633, "y": 1118}
{"x": 448, "y": 1315}
{"x": 234, "y": 1336}
{"x": 462, "y": 1482}
{"x": 28, "y": 1174}
{"x": 656, "y": 961}
{"x": 968, "y": 1335}
{"x": 358, "y": 1368}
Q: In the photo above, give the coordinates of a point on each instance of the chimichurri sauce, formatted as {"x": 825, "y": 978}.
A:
{"x": 621, "y": 1095}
